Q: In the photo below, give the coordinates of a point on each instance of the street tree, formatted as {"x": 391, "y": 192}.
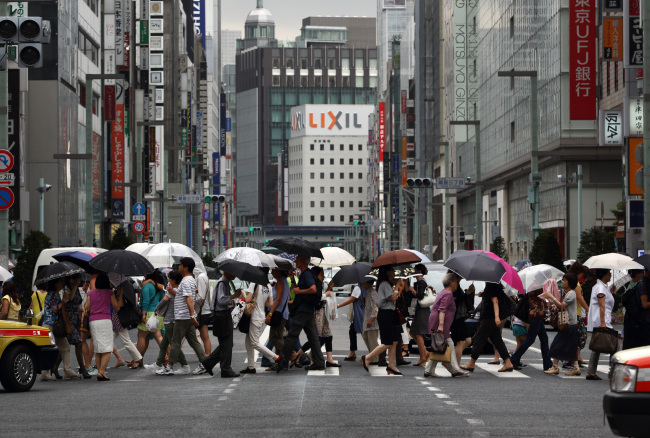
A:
{"x": 546, "y": 250}
{"x": 120, "y": 240}
{"x": 34, "y": 243}
{"x": 498, "y": 247}
{"x": 595, "y": 241}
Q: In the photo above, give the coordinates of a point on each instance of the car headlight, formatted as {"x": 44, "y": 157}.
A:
{"x": 623, "y": 378}
{"x": 51, "y": 338}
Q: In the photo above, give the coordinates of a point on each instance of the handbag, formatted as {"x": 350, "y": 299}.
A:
{"x": 59, "y": 329}
{"x": 250, "y": 306}
{"x": 438, "y": 342}
{"x": 428, "y": 299}
{"x": 244, "y": 323}
{"x": 399, "y": 317}
{"x": 276, "y": 318}
{"x": 350, "y": 312}
{"x": 441, "y": 357}
{"x": 604, "y": 340}
{"x": 129, "y": 317}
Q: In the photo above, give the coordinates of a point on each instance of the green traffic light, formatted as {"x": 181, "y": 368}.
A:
{"x": 338, "y": 238}
{"x": 329, "y": 244}
{"x": 356, "y": 223}
{"x": 410, "y": 182}
{"x": 208, "y": 199}
{"x": 250, "y": 229}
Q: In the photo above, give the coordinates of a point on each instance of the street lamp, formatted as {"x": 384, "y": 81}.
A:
{"x": 42, "y": 188}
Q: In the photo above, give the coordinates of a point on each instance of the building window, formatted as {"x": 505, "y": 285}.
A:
{"x": 322, "y": 218}
{"x": 512, "y": 26}
{"x": 342, "y": 218}
{"x": 331, "y": 147}
{"x": 289, "y": 80}
{"x": 345, "y": 82}
{"x": 322, "y": 147}
{"x": 360, "y": 175}
{"x": 312, "y": 204}
{"x": 311, "y": 160}
{"x": 311, "y": 190}
{"x": 332, "y": 82}
{"x": 342, "y": 175}
{"x": 360, "y": 147}
{"x": 332, "y": 161}
{"x": 351, "y": 204}
{"x": 322, "y": 204}
{"x": 342, "y": 148}
{"x": 322, "y": 161}
{"x": 311, "y": 175}
{"x": 342, "y": 205}
{"x": 351, "y": 147}
{"x": 322, "y": 175}
{"x": 276, "y": 81}
{"x": 351, "y": 161}
{"x": 512, "y": 132}
{"x": 342, "y": 161}
{"x": 331, "y": 63}
{"x": 88, "y": 47}
{"x": 311, "y": 218}
{"x": 318, "y": 63}
{"x": 322, "y": 189}
{"x": 342, "y": 190}
{"x": 318, "y": 81}
{"x": 351, "y": 190}
{"x": 351, "y": 218}
{"x": 331, "y": 175}
{"x": 331, "y": 189}
{"x": 276, "y": 62}
{"x": 331, "y": 218}
{"x": 358, "y": 81}
{"x": 311, "y": 148}
{"x": 304, "y": 81}
{"x": 360, "y": 204}
{"x": 303, "y": 63}
{"x": 360, "y": 161}
{"x": 289, "y": 62}
{"x": 351, "y": 175}
{"x": 332, "y": 205}
{"x": 360, "y": 189}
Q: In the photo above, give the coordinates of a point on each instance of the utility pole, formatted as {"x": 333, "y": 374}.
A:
{"x": 646, "y": 124}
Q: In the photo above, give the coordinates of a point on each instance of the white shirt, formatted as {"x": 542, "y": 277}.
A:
{"x": 593, "y": 319}
{"x": 356, "y": 292}
{"x": 263, "y": 294}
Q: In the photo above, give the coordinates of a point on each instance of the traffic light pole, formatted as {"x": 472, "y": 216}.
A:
{"x": 4, "y": 141}
{"x": 646, "y": 126}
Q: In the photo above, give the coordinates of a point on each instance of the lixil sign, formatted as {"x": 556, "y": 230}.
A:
{"x": 330, "y": 120}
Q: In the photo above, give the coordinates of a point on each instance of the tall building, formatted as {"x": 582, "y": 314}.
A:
{"x": 229, "y": 46}
{"x": 329, "y": 30}
{"x": 272, "y": 77}
{"x": 393, "y": 16}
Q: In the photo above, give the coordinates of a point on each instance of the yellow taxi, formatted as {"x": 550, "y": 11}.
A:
{"x": 25, "y": 350}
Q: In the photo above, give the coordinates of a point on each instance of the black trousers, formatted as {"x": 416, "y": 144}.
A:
{"x": 222, "y": 330}
{"x": 488, "y": 330}
{"x": 307, "y": 322}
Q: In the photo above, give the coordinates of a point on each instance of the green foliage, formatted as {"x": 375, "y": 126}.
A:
{"x": 595, "y": 241}
{"x": 34, "y": 243}
{"x": 207, "y": 260}
{"x": 120, "y": 240}
{"x": 546, "y": 250}
{"x": 498, "y": 247}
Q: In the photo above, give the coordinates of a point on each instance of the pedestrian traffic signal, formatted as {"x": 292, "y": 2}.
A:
{"x": 420, "y": 183}
{"x": 215, "y": 198}
{"x": 461, "y": 237}
{"x": 29, "y": 33}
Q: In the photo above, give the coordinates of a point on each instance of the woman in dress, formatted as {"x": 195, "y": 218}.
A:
{"x": 10, "y": 302}
{"x": 464, "y": 300}
{"x": 601, "y": 305}
{"x": 73, "y": 307}
{"x": 322, "y": 323}
{"x": 419, "y": 325}
{"x": 565, "y": 344}
{"x": 98, "y": 307}
{"x": 442, "y": 316}
{"x": 386, "y": 298}
{"x": 489, "y": 328}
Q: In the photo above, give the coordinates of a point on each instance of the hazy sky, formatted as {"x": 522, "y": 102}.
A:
{"x": 288, "y": 14}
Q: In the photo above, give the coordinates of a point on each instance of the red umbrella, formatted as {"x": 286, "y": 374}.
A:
{"x": 397, "y": 257}
{"x": 511, "y": 277}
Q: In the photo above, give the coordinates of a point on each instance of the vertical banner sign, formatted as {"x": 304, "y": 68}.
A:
{"x": 159, "y": 157}
{"x": 382, "y": 130}
{"x": 222, "y": 151}
{"x": 198, "y": 16}
{"x": 117, "y": 137}
{"x": 285, "y": 173}
{"x": 582, "y": 65}
{"x": 215, "y": 180}
{"x": 109, "y": 103}
{"x": 13, "y": 139}
{"x": 635, "y": 158}
{"x": 199, "y": 133}
{"x": 633, "y": 34}
{"x": 613, "y": 38}
{"x": 460, "y": 68}
{"x": 611, "y": 128}
{"x": 636, "y": 117}
{"x": 97, "y": 156}
{"x": 613, "y": 6}
{"x": 119, "y": 32}
{"x": 127, "y": 31}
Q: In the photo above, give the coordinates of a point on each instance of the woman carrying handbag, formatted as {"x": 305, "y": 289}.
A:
{"x": 600, "y": 315}
{"x": 565, "y": 344}
{"x": 442, "y": 316}
{"x": 420, "y": 323}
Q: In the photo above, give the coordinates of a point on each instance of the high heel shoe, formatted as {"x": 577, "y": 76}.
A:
{"x": 101, "y": 378}
{"x": 56, "y": 374}
{"x": 295, "y": 361}
{"x": 420, "y": 363}
{"x": 390, "y": 371}
{"x": 363, "y": 362}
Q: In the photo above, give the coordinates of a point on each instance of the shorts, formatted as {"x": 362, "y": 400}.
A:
{"x": 519, "y": 330}
{"x": 205, "y": 320}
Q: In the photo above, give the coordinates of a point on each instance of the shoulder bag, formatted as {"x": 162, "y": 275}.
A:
{"x": 276, "y": 318}
{"x": 441, "y": 357}
{"x": 429, "y": 297}
{"x": 438, "y": 342}
{"x": 250, "y": 306}
{"x": 604, "y": 340}
{"x": 559, "y": 318}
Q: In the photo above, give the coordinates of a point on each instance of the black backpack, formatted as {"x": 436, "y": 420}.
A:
{"x": 632, "y": 304}
{"x": 506, "y": 305}
{"x": 522, "y": 308}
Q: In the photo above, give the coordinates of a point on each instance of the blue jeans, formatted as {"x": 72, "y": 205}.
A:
{"x": 535, "y": 329}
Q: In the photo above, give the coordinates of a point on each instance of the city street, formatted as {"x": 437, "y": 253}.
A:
{"x": 337, "y": 402}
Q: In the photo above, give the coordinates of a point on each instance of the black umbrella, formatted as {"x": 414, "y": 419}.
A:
{"x": 122, "y": 262}
{"x": 243, "y": 271}
{"x": 475, "y": 266}
{"x": 213, "y": 273}
{"x": 643, "y": 260}
{"x": 352, "y": 274}
{"x": 296, "y": 245}
{"x": 79, "y": 258}
{"x": 57, "y": 270}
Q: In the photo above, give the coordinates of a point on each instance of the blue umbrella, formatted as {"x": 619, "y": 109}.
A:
{"x": 291, "y": 257}
{"x": 79, "y": 258}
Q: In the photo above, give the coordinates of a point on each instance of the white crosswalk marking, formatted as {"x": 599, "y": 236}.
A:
{"x": 494, "y": 369}
{"x": 326, "y": 372}
{"x": 601, "y": 369}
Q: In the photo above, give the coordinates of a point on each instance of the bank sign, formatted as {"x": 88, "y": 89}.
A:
{"x": 330, "y": 120}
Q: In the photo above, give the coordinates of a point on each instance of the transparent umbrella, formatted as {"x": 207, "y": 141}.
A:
{"x": 251, "y": 256}
{"x": 167, "y": 254}
{"x": 533, "y": 277}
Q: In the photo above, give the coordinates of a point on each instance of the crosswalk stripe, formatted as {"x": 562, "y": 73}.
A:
{"x": 494, "y": 370}
{"x": 326, "y": 372}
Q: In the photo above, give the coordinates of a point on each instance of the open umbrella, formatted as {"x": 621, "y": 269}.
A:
{"x": 4, "y": 274}
{"x": 122, "y": 262}
{"x": 282, "y": 263}
{"x": 511, "y": 277}
{"x": 296, "y": 245}
{"x": 423, "y": 258}
{"x": 291, "y": 257}
{"x": 213, "y": 273}
{"x": 333, "y": 256}
{"x": 270, "y": 250}
{"x": 644, "y": 260}
{"x": 252, "y": 256}
{"x": 167, "y": 254}
{"x": 243, "y": 271}
{"x": 57, "y": 270}
{"x": 139, "y": 247}
{"x": 612, "y": 260}
{"x": 79, "y": 258}
{"x": 351, "y": 274}
{"x": 397, "y": 257}
{"x": 533, "y": 277}
{"x": 475, "y": 266}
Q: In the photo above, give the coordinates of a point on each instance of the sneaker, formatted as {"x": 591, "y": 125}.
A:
{"x": 567, "y": 366}
{"x": 154, "y": 367}
{"x": 574, "y": 372}
{"x": 46, "y": 376}
{"x": 165, "y": 371}
{"x": 552, "y": 370}
{"x": 199, "y": 370}
{"x": 184, "y": 369}
{"x": 92, "y": 371}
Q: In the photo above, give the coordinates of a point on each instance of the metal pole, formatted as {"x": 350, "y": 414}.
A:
{"x": 579, "y": 176}
{"x": 534, "y": 168}
{"x": 357, "y": 240}
{"x": 478, "y": 241}
{"x": 430, "y": 216}
{"x": 646, "y": 125}
{"x": 90, "y": 226}
{"x": 447, "y": 206}
{"x": 42, "y": 185}
{"x": 416, "y": 223}
{"x": 4, "y": 140}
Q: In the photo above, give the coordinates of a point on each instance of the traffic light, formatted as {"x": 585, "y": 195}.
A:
{"x": 254, "y": 229}
{"x": 29, "y": 33}
{"x": 446, "y": 235}
{"x": 356, "y": 223}
{"x": 461, "y": 236}
{"x": 420, "y": 183}
{"x": 215, "y": 198}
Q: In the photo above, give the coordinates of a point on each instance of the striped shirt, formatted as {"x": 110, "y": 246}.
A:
{"x": 187, "y": 288}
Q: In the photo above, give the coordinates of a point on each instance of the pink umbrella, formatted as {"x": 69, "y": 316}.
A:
{"x": 511, "y": 276}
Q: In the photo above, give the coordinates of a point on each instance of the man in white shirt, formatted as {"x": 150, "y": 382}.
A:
{"x": 204, "y": 298}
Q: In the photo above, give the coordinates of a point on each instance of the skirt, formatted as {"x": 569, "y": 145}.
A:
{"x": 519, "y": 330}
{"x": 386, "y": 321}
{"x": 102, "y": 332}
{"x": 565, "y": 345}
{"x": 420, "y": 323}
{"x": 458, "y": 330}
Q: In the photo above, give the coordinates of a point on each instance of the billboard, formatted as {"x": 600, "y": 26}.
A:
{"x": 117, "y": 162}
{"x": 330, "y": 120}
{"x": 198, "y": 17}
{"x": 613, "y": 38}
{"x": 582, "y": 59}
{"x": 382, "y": 130}
{"x": 633, "y": 32}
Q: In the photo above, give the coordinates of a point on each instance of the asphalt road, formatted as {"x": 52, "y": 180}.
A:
{"x": 337, "y": 402}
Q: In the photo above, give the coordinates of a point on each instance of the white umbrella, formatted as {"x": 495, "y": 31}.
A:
{"x": 424, "y": 258}
{"x": 533, "y": 277}
{"x": 139, "y": 247}
{"x": 4, "y": 274}
{"x": 612, "y": 260}
{"x": 333, "y": 256}
{"x": 620, "y": 278}
{"x": 251, "y": 256}
{"x": 166, "y": 254}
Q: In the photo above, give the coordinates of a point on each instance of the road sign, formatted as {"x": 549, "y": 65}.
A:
{"x": 139, "y": 217}
{"x": 139, "y": 209}
{"x": 138, "y": 227}
{"x": 189, "y": 199}
{"x": 7, "y": 179}
{"x": 450, "y": 183}
{"x": 6, "y": 161}
{"x": 6, "y": 198}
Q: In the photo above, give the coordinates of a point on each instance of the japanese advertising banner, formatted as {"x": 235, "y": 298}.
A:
{"x": 582, "y": 65}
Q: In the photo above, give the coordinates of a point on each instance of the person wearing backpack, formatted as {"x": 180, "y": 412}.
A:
{"x": 636, "y": 325}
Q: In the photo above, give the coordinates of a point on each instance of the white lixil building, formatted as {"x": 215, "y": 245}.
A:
{"x": 328, "y": 165}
